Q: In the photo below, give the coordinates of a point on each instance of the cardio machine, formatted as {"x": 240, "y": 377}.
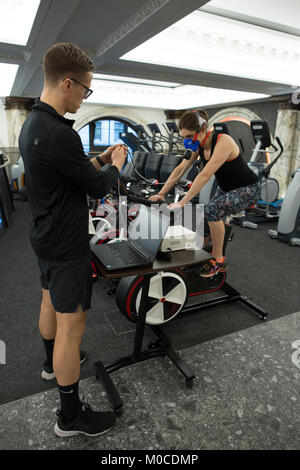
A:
{"x": 145, "y": 174}
{"x": 18, "y": 186}
{"x": 268, "y": 207}
{"x": 288, "y": 228}
{"x": 7, "y": 207}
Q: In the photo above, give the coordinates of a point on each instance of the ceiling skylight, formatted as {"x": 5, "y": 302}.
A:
{"x": 210, "y": 43}
{"x": 7, "y": 78}
{"x": 184, "y": 96}
{"x": 16, "y": 20}
{"x": 281, "y": 13}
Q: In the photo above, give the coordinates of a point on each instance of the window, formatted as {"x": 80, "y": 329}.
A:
{"x": 119, "y": 128}
{"x": 98, "y": 133}
{"x": 102, "y": 133}
{"x": 85, "y": 138}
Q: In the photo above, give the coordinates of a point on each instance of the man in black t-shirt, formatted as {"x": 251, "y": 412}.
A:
{"x": 58, "y": 177}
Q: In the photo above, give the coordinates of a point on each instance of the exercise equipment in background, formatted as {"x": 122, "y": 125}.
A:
{"x": 18, "y": 186}
{"x": 7, "y": 207}
{"x": 268, "y": 207}
{"x": 288, "y": 228}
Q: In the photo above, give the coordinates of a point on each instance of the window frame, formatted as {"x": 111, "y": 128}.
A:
{"x": 96, "y": 149}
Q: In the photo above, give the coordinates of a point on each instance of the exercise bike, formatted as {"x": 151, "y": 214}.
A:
{"x": 159, "y": 297}
{"x": 170, "y": 292}
{"x": 177, "y": 290}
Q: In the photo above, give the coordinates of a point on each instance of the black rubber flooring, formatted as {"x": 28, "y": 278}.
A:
{"x": 264, "y": 270}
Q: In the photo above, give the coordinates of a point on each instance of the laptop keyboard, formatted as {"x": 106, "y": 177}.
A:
{"x": 125, "y": 253}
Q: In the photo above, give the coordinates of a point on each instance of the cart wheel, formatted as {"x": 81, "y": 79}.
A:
{"x": 189, "y": 383}
{"x": 118, "y": 411}
{"x": 166, "y": 296}
{"x": 111, "y": 291}
{"x": 155, "y": 344}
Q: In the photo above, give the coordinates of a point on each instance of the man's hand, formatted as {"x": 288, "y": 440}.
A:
{"x": 118, "y": 156}
{"x": 106, "y": 156}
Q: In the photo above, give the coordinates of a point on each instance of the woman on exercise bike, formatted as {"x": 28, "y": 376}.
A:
{"x": 238, "y": 184}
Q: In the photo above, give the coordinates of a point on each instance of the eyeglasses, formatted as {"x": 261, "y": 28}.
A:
{"x": 87, "y": 92}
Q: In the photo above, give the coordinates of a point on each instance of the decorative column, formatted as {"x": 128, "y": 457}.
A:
{"x": 17, "y": 109}
{"x": 297, "y": 144}
{"x": 288, "y": 129}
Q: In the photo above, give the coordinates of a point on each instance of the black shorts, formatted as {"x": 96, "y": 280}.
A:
{"x": 69, "y": 283}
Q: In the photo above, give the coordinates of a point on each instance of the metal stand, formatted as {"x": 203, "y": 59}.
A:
{"x": 231, "y": 295}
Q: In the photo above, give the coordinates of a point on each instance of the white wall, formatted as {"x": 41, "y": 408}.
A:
{"x": 144, "y": 116}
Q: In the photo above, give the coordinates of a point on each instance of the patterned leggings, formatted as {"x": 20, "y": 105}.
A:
{"x": 224, "y": 204}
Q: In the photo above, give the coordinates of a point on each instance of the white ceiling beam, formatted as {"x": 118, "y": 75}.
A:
{"x": 152, "y": 18}
{"x": 13, "y": 54}
{"x": 255, "y": 20}
{"x": 191, "y": 77}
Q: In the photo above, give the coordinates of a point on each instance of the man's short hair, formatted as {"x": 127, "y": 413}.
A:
{"x": 63, "y": 59}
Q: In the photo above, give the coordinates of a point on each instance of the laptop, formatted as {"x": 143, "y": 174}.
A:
{"x": 145, "y": 235}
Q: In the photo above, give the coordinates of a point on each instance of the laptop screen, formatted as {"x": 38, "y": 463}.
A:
{"x": 147, "y": 231}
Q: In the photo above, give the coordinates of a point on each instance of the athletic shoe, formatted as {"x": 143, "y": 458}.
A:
{"x": 212, "y": 268}
{"x": 88, "y": 422}
{"x": 48, "y": 372}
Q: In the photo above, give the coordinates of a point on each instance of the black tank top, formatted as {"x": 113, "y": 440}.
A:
{"x": 232, "y": 174}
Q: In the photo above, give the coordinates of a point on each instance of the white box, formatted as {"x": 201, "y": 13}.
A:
{"x": 178, "y": 238}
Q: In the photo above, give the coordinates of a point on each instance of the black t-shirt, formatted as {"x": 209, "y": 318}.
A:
{"x": 58, "y": 178}
{"x": 232, "y": 174}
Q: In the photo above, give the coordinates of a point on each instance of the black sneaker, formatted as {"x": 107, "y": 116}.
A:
{"x": 48, "y": 372}
{"x": 88, "y": 422}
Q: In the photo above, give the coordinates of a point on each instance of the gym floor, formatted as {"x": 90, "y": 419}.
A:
{"x": 246, "y": 391}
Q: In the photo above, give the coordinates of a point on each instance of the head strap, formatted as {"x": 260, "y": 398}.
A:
{"x": 201, "y": 120}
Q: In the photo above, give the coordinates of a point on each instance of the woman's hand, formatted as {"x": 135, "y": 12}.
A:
{"x": 156, "y": 198}
{"x": 175, "y": 205}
